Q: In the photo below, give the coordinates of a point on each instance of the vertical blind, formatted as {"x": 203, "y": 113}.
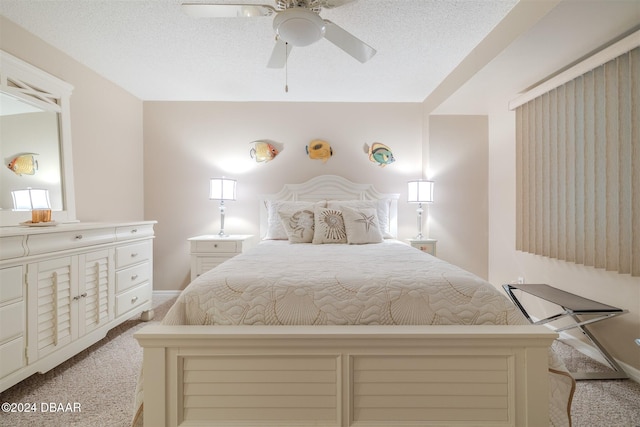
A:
{"x": 578, "y": 169}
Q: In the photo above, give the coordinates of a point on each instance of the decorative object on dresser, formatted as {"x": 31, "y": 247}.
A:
{"x": 209, "y": 251}
{"x": 425, "y": 245}
{"x": 63, "y": 288}
{"x": 420, "y": 191}
{"x": 222, "y": 189}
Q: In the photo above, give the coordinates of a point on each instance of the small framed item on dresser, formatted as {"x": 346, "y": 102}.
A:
{"x": 425, "y": 245}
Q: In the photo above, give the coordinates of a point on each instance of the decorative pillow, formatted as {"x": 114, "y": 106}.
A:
{"x": 298, "y": 225}
{"x": 275, "y": 229}
{"x": 362, "y": 226}
{"x": 329, "y": 226}
{"x": 383, "y": 206}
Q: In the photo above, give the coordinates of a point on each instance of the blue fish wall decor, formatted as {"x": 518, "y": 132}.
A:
{"x": 379, "y": 153}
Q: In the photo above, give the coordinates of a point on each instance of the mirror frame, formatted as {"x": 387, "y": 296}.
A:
{"x": 39, "y": 88}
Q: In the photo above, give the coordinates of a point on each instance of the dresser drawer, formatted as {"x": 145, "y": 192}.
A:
{"x": 132, "y": 276}
{"x": 12, "y": 356}
{"x": 213, "y": 247}
{"x": 11, "y": 321}
{"x": 133, "y": 298}
{"x": 10, "y": 284}
{"x": 133, "y": 254}
{"x": 12, "y": 247}
{"x": 51, "y": 242}
{"x": 134, "y": 231}
{"x": 206, "y": 263}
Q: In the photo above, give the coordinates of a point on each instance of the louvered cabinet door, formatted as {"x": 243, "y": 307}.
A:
{"x": 52, "y": 310}
{"x": 95, "y": 291}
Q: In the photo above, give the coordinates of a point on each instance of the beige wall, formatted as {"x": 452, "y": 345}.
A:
{"x": 106, "y": 131}
{"x": 506, "y": 264}
{"x": 186, "y": 143}
{"x": 458, "y": 163}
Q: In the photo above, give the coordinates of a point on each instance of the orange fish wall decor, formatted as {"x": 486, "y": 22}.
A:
{"x": 24, "y": 164}
{"x": 319, "y": 150}
{"x": 265, "y": 150}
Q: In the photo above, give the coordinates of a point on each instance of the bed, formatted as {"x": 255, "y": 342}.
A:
{"x": 331, "y": 321}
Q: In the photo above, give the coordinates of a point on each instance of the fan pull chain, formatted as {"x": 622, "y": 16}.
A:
{"x": 286, "y": 68}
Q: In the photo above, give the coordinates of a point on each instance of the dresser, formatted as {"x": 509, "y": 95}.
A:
{"x": 62, "y": 288}
{"x": 211, "y": 250}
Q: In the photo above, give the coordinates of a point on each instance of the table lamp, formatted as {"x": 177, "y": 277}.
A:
{"x": 420, "y": 191}
{"x": 222, "y": 189}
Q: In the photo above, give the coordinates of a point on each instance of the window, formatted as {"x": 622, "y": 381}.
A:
{"x": 578, "y": 167}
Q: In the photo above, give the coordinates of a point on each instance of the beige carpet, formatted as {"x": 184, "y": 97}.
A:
{"x": 102, "y": 379}
{"x": 600, "y": 403}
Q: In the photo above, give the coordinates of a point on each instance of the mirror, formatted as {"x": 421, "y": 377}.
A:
{"x": 30, "y": 148}
{"x": 34, "y": 140}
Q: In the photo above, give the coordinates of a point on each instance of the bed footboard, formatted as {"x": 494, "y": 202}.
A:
{"x": 345, "y": 375}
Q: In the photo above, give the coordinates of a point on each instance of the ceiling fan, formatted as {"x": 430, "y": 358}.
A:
{"x": 296, "y": 23}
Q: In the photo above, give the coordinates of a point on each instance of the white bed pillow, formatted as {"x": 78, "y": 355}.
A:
{"x": 329, "y": 226}
{"x": 383, "y": 207}
{"x": 299, "y": 225}
{"x": 275, "y": 229}
{"x": 362, "y": 226}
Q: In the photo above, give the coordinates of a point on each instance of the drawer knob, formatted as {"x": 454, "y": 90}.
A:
{"x": 134, "y": 299}
{"x": 215, "y": 245}
{"x": 78, "y": 236}
{"x": 133, "y": 255}
{"x": 134, "y": 231}
{"x": 134, "y": 277}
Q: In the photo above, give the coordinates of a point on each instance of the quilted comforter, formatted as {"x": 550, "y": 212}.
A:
{"x": 389, "y": 283}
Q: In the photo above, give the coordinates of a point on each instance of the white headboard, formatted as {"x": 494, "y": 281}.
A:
{"x": 330, "y": 187}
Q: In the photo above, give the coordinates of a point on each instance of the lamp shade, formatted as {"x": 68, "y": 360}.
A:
{"x": 420, "y": 191}
{"x": 30, "y": 198}
{"x": 222, "y": 189}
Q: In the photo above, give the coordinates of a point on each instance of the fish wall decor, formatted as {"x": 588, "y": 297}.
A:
{"x": 319, "y": 150}
{"x": 24, "y": 164}
{"x": 265, "y": 150}
{"x": 379, "y": 153}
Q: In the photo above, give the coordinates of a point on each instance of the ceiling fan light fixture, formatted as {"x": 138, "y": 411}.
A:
{"x": 299, "y": 27}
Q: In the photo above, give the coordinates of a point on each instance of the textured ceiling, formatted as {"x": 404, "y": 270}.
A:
{"x": 156, "y": 52}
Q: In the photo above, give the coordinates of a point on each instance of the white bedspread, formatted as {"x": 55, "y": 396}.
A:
{"x": 391, "y": 283}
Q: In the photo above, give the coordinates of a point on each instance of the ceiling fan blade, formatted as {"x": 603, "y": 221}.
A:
{"x": 330, "y": 4}
{"x": 348, "y": 42}
{"x": 279, "y": 55}
{"x": 214, "y": 10}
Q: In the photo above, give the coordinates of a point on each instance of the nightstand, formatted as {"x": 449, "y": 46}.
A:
{"x": 211, "y": 250}
{"x": 425, "y": 245}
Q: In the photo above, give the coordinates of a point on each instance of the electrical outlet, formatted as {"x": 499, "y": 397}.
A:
{"x": 520, "y": 280}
